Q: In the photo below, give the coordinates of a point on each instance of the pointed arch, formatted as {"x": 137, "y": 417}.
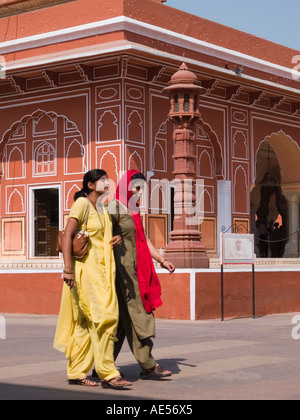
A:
{"x": 159, "y": 158}
{"x": 206, "y": 202}
{"x": 205, "y": 165}
{"x": 135, "y": 161}
{"x": 69, "y": 198}
{"x": 158, "y": 198}
{"x": 108, "y": 126}
{"x": 240, "y": 186}
{"x": 239, "y": 145}
{"x": 35, "y": 116}
{"x": 288, "y": 154}
{"x": 15, "y": 202}
{"x": 135, "y": 129}
{"x": 219, "y": 169}
{"x": 15, "y": 164}
{"x": 44, "y": 124}
{"x": 75, "y": 154}
{"x": 13, "y": 131}
{"x": 109, "y": 163}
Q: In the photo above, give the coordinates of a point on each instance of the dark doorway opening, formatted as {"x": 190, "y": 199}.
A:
{"x": 269, "y": 210}
{"x": 46, "y": 221}
{"x": 172, "y": 208}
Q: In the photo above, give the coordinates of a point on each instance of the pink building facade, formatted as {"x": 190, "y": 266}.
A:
{"x": 84, "y": 90}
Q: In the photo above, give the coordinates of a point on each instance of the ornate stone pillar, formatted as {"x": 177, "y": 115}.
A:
{"x": 185, "y": 248}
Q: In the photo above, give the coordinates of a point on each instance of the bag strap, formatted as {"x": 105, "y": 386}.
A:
{"x": 87, "y": 215}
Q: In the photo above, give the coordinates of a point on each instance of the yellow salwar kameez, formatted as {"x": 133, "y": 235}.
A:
{"x": 88, "y": 318}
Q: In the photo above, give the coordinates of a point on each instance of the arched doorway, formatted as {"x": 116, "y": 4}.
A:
{"x": 274, "y": 210}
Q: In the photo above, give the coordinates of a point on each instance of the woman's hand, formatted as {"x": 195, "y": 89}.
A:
{"x": 156, "y": 255}
{"x": 116, "y": 241}
{"x": 168, "y": 266}
{"x": 69, "y": 279}
{"x": 68, "y": 275}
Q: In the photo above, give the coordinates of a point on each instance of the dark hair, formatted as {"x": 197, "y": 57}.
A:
{"x": 139, "y": 175}
{"x": 91, "y": 176}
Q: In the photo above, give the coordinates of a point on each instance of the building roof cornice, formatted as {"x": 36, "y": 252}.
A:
{"x": 124, "y": 23}
{"x": 126, "y": 47}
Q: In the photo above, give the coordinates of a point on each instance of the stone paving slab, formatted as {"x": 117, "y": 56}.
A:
{"x": 238, "y": 359}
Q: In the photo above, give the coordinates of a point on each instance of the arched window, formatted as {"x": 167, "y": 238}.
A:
{"x": 186, "y": 103}
{"x": 195, "y": 103}
{"x": 45, "y": 159}
{"x": 176, "y": 103}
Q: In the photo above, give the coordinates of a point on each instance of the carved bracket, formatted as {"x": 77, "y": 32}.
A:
{"x": 276, "y": 102}
{"x": 295, "y": 108}
{"x": 155, "y": 73}
{"x": 209, "y": 85}
{"x": 51, "y": 78}
{"x": 86, "y": 72}
{"x": 232, "y": 92}
{"x": 124, "y": 60}
{"x": 255, "y": 97}
{"x": 18, "y": 83}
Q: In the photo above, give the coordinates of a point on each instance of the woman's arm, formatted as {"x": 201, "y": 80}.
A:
{"x": 156, "y": 255}
{"x": 113, "y": 209}
{"x": 71, "y": 228}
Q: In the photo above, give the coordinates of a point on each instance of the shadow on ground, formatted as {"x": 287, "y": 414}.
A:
{"x": 9, "y": 392}
{"x": 63, "y": 391}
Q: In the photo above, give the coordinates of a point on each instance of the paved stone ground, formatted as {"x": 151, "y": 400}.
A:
{"x": 238, "y": 359}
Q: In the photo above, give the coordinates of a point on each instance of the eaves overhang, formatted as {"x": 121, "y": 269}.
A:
{"x": 126, "y": 24}
{"x": 126, "y": 47}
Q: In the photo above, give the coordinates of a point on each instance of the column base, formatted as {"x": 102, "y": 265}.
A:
{"x": 186, "y": 250}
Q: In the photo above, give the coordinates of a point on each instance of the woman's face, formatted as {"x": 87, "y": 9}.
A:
{"x": 137, "y": 188}
{"x": 102, "y": 185}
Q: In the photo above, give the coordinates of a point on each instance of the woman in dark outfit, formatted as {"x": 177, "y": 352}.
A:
{"x": 137, "y": 284}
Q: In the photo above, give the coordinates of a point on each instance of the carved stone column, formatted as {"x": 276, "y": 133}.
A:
{"x": 185, "y": 248}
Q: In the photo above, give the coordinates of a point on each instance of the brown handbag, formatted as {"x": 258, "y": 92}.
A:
{"x": 80, "y": 240}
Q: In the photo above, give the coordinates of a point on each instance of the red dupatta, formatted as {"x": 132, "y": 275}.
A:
{"x": 149, "y": 284}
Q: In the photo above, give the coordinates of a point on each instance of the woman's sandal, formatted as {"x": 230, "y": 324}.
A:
{"x": 95, "y": 374}
{"x": 116, "y": 383}
{"x": 83, "y": 382}
{"x": 157, "y": 372}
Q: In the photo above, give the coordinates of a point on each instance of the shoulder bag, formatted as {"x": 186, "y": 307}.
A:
{"x": 80, "y": 240}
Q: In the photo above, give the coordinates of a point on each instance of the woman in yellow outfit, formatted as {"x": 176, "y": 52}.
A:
{"x": 88, "y": 319}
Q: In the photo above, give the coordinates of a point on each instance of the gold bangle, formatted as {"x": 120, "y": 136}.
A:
{"x": 68, "y": 272}
{"x": 162, "y": 262}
